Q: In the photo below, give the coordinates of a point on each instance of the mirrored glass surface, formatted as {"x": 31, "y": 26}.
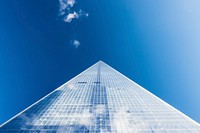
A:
{"x": 100, "y": 99}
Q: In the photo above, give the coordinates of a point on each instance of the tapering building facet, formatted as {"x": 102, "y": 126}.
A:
{"x": 100, "y": 99}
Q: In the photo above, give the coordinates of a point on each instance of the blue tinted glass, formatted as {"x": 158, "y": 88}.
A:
{"x": 100, "y": 100}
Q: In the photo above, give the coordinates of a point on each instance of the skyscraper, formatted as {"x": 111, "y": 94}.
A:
{"x": 101, "y": 99}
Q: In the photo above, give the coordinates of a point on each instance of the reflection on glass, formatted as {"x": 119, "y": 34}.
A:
{"x": 101, "y": 100}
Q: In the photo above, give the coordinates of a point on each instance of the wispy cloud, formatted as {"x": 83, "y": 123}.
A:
{"x": 71, "y": 2}
{"x": 76, "y": 43}
{"x": 83, "y": 13}
{"x": 66, "y": 12}
{"x": 71, "y": 16}
{"x": 75, "y": 15}
{"x": 65, "y": 6}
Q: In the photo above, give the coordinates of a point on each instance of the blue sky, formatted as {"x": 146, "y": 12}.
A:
{"x": 155, "y": 43}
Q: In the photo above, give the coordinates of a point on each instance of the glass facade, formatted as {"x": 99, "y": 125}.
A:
{"x": 100, "y": 99}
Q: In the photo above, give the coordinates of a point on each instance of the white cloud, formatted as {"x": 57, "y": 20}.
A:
{"x": 76, "y": 43}
{"x": 74, "y": 15}
{"x": 71, "y": 2}
{"x": 71, "y": 16}
{"x": 67, "y": 14}
{"x": 65, "y": 6}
